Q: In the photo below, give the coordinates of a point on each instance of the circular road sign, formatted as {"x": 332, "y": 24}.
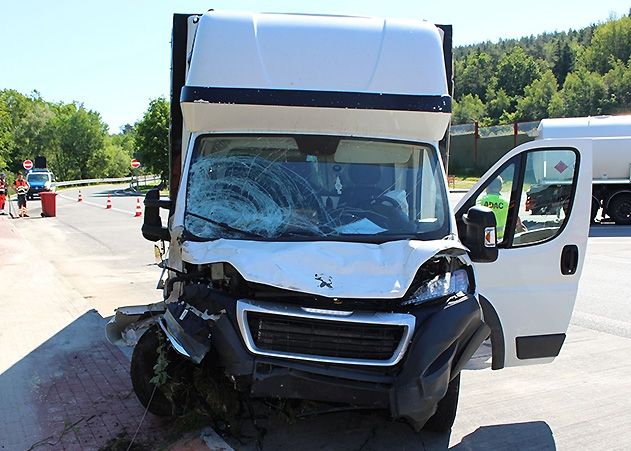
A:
{"x": 27, "y": 164}
{"x": 135, "y": 164}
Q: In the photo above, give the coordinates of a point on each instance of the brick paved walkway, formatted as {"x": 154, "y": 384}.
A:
{"x": 75, "y": 397}
{"x": 92, "y": 390}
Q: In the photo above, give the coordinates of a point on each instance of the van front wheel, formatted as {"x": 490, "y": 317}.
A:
{"x": 169, "y": 399}
{"x": 445, "y": 415}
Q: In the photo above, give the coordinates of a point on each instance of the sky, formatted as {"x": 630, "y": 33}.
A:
{"x": 114, "y": 56}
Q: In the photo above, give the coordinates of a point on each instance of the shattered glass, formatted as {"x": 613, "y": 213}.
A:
{"x": 271, "y": 187}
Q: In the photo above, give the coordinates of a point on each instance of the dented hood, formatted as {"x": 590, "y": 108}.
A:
{"x": 326, "y": 268}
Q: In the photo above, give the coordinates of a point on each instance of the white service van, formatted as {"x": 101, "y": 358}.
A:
{"x": 313, "y": 251}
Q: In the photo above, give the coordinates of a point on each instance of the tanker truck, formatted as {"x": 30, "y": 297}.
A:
{"x": 611, "y": 177}
{"x": 313, "y": 252}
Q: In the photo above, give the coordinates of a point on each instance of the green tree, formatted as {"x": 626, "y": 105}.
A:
{"x": 152, "y": 138}
{"x": 498, "y": 103}
{"x": 611, "y": 42}
{"x": 6, "y": 137}
{"x": 14, "y": 106}
{"x": 111, "y": 160}
{"x": 515, "y": 71}
{"x": 81, "y": 136}
{"x": 583, "y": 94}
{"x": 618, "y": 83}
{"x": 35, "y": 134}
{"x": 472, "y": 75}
{"x": 561, "y": 57}
{"x": 536, "y": 100}
{"x": 469, "y": 109}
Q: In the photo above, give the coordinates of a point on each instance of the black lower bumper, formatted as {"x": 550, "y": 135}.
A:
{"x": 445, "y": 338}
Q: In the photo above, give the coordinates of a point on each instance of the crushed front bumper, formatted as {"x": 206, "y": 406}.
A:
{"x": 435, "y": 343}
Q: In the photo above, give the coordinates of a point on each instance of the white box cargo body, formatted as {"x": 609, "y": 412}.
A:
{"x": 317, "y": 74}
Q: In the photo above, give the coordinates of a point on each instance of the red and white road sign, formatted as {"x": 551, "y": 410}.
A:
{"x": 135, "y": 164}
{"x": 27, "y": 164}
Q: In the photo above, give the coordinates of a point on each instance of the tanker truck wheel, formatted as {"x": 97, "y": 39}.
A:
{"x": 172, "y": 397}
{"x": 620, "y": 209}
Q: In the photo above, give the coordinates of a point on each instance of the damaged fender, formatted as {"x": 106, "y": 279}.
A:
{"x": 129, "y": 323}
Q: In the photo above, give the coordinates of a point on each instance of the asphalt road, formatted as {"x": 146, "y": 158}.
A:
{"x": 579, "y": 402}
{"x": 100, "y": 251}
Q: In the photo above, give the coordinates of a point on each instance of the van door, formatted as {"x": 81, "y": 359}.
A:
{"x": 540, "y": 193}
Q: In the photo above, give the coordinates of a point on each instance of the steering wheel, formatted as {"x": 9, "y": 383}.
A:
{"x": 387, "y": 213}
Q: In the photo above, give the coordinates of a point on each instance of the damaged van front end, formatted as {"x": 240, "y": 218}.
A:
{"x": 277, "y": 341}
{"x": 292, "y": 278}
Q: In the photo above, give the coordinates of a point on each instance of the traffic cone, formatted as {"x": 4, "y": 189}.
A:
{"x": 138, "y": 208}
{"x": 80, "y": 198}
{"x": 108, "y": 204}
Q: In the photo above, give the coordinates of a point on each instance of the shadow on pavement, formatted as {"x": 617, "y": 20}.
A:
{"x": 72, "y": 392}
{"x": 535, "y": 435}
{"x": 609, "y": 231}
{"x": 374, "y": 431}
{"x": 362, "y": 430}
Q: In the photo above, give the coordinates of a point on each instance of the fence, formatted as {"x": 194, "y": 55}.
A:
{"x": 474, "y": 150}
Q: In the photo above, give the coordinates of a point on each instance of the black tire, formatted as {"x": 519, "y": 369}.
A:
{"x": 143, "y": 360}
{"x": 445, "y": 415}
{"x": 595, "y": 208}
{"x": 619, "y": 209}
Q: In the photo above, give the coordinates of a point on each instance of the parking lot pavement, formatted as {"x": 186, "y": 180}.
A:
{"x": 62, "y": 386}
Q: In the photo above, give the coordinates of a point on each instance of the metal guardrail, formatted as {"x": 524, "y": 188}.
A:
{"x": 144, "y": 179}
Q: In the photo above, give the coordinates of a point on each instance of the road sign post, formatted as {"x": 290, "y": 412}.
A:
{"x": 135, "y": 164}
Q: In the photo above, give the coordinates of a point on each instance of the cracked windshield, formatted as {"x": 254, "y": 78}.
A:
{"x": 268, "y": 187}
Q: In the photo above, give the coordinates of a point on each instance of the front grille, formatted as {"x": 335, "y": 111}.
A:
{"x": 316, "y": 337}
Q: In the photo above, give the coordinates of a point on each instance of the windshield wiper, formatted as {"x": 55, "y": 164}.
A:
{"x": 225, "y": 226}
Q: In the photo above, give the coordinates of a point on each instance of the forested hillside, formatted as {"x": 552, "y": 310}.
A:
{"x": 574, "y": 73}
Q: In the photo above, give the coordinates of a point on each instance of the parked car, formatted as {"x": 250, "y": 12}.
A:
{"x": 39, "y": 180}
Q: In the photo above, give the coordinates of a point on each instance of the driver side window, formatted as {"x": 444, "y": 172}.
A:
{"x": 530, "y": 196}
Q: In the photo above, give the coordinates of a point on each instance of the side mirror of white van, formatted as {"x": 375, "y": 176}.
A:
{"x": 152, "y": 228}
{"x": 479, "y": 234}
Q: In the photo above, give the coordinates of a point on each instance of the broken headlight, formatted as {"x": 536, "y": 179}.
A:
{"x": 442, "y": 285}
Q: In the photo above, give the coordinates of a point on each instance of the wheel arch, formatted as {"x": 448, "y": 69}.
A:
{"x": 498, "y": 347}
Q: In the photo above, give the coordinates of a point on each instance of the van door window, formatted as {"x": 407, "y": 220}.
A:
{"x": 545, "y": 196}
{"x": 530, "y": 196}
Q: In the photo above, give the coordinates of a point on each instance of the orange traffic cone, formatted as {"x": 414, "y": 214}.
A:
{"x": 80, "y": 198}
{"x": 138, "y": 208}
{"x": 108, "y": 204}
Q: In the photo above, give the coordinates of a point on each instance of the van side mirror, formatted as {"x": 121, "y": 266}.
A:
{"x": 479, "y": 234}
{"x": 152, "y": 228}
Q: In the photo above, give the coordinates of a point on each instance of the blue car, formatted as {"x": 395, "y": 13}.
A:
{"x": 39, "y": 180}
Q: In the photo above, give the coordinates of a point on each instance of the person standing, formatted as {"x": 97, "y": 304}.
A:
{"x": 21, "y": 188}
{"x": 494, "y": 200}
{"x": 4, "y": 190}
